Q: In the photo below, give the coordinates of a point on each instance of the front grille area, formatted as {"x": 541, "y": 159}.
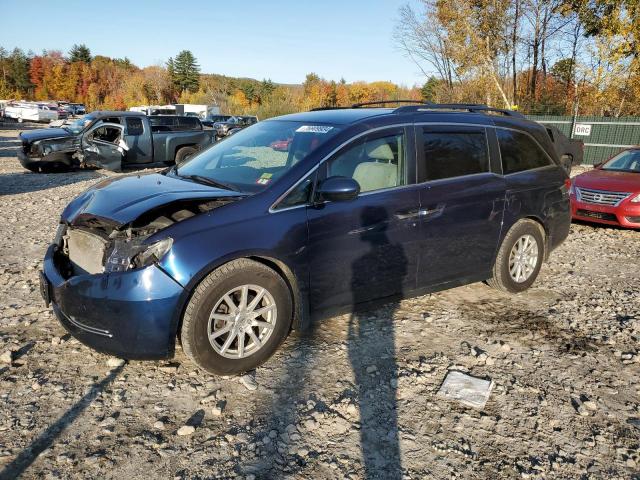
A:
{"x": 599, "y": 215}
{"x": 601, "y": 197}
{"x": 86, "y": 251}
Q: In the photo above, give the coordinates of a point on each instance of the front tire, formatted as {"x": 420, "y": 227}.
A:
{"x": 237, "y": 317}
{"x": 519, "y": 258}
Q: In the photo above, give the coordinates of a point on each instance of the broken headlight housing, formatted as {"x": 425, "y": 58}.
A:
{"x": 128, "y": 254}
{"x": 62, "y": 229}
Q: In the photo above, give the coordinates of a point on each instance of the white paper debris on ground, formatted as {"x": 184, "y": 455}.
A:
{"x": 471, "y": 391}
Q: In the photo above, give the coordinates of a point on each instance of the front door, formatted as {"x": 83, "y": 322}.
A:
{"x": 101, "y": 146}
{"x": 365, "y": 249}
{"x": 461, "y": 203}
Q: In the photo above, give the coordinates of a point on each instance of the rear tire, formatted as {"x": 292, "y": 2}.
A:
{"x": 185, "y": 152}
{"x": 519, "y": 258}
{"x": 219, "y": 328}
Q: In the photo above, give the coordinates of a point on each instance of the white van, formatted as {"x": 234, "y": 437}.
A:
{"x": 31, "y": 112}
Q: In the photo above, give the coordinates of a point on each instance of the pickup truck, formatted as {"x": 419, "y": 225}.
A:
{"x": 233, "y": 125}
{"x": 114, "y": 140}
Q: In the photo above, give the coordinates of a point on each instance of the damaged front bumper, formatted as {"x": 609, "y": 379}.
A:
{"x": 127, "y": 314}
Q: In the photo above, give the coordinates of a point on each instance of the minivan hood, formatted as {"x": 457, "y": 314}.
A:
{"x": 44, "y": 133}
{"x": 598, "y": 179}
{"x": 119, "y": 201}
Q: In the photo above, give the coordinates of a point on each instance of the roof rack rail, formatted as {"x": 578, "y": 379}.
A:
{"x": 469, "y": 107}
{"x": 417, "y": 106}
{"x": 384, "y": 102}
{"x": 367, "y": 104}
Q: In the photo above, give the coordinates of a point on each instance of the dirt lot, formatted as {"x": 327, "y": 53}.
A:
{"x": 355, "y": 399}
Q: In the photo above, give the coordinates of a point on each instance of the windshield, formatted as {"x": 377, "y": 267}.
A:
{"x": 257, "y": 156}
{"x": 79, "y": 124}
{"x": 627, "y": 161}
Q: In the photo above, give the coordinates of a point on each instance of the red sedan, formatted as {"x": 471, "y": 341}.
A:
{"x": 610, "y": 193}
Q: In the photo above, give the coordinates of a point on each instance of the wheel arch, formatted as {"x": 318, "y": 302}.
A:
{"x": 181, "y": 146}
{"x": 300, "y": 302}
{"x": 543, "y": 229}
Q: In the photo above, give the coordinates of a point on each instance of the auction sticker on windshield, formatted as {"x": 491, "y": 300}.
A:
{"x": 314, "y": 129}
{"x": 264, "y": 178}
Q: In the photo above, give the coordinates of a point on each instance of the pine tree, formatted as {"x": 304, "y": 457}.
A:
{"x": 19, "y": 71}
{"x": 80, "y": 53}
{"x": 184, "y": 72}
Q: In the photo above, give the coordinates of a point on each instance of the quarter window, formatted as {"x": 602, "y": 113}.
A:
{"x": 519, "y": 152}
{"x": 299, "y": 195}
{"x": 134, "y": 126}
{"x": 453, "y": 154}
{"x": 375, "y": 163}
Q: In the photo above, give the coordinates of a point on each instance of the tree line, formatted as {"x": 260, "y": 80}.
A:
{"x": 540, "y": 56}
{"x": 106, "y": 83}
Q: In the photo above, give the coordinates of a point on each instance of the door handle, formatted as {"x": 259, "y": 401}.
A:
{"x": 431, "y": 212}
{"x": 407, "y": 215}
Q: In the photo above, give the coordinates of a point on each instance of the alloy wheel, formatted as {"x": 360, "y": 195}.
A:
{"x": 242, "y": 321}
{"x": 523, "y": 258}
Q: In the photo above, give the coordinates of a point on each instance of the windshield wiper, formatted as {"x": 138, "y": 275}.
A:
{"x": 208, "y": 181}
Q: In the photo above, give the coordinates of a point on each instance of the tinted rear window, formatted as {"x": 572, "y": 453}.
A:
{"x": 189, "y": 123}
{"x": 453, "y": 154}
{"x": 519, "y": 152}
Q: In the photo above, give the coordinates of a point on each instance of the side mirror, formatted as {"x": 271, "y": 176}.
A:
{"x": 338, "y": 189}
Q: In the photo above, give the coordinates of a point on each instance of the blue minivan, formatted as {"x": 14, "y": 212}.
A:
{"x": 300, "y": 217}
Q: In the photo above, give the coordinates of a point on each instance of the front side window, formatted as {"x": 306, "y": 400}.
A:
{"x": 375, "y": 163}
{"x": 257, "y": 156}
{"x": 106, "y": 134}
{"x": 519, "y": 152}
{"x": 455, "y": 153}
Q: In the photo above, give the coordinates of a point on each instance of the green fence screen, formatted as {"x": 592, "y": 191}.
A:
{"x": 606, "y": 135}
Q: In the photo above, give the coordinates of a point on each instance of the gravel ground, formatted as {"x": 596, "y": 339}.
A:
{"x": 354, "y": 399}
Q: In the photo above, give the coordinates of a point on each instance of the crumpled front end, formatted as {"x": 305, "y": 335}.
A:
{"x": 127, "y": 314}
{"x": 44, "y": 153}
{"x": 106, "y": 287}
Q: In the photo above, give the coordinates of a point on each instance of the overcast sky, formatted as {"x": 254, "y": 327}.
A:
{"x": 278, "y": 39}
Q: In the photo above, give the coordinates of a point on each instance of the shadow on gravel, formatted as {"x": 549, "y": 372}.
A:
{"x": 528, "y": 325}
{"x": 25, "y": 182}
{"x": 46, "y": 438}
{"x": 371, "y": 342}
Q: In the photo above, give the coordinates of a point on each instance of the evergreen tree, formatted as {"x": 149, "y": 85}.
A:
{"x": 184, "y": 72}
{"x": 428, "y": 90}
{"x": 80, "y": 53}
{"x": 18, "y": 71}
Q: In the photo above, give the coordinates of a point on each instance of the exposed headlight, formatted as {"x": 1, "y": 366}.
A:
{"x": 636, "y": 199}
{"x": 62, "y": 229}
{"x": 127, "y": 254}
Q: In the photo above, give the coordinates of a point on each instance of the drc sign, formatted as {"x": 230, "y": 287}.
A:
{"x": 582, "y": 129}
